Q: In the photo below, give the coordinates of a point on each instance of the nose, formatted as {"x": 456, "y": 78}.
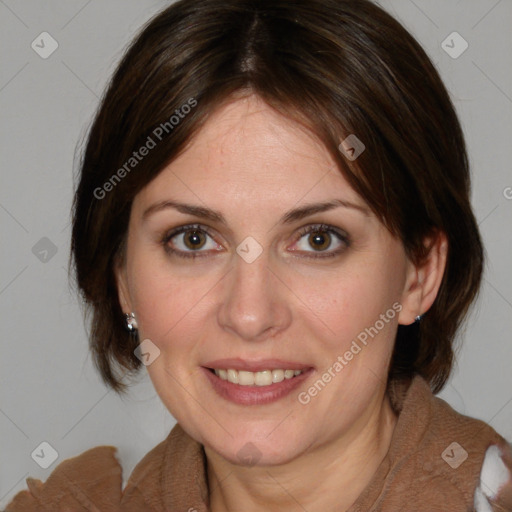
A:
{"x": 254, "y": 305}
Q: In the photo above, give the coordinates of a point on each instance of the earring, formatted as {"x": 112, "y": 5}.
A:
{"x": 131, "y": 322}
{"x": 418, "y": 318}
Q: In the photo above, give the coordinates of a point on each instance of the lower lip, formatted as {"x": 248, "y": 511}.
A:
{"x": 255, "y": 395}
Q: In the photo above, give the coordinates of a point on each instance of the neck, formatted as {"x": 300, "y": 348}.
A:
{"x": 330, "y": 477}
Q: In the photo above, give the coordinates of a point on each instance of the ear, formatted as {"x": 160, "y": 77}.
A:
{"x": 424, "y": 279}
{"x": 122, "y": 287}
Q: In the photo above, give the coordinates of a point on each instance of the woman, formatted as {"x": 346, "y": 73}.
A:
{"x": 273, "y": 217}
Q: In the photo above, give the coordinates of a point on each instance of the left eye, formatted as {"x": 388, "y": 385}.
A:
{"x": 320, "y": 238}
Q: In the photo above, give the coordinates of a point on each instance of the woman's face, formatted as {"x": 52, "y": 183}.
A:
{"x": 271, "y": 288}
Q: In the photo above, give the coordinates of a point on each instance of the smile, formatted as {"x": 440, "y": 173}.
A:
{"x": 257, "y": 385}
{"x": 263, "y": 378}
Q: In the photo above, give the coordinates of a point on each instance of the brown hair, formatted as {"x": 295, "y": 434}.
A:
{"x": 338, "y": 67}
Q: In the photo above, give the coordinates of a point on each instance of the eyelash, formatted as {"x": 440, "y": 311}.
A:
{"x": 313, "y": 228}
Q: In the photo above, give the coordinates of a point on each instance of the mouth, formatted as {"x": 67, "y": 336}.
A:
{"x": 261, "y": 378}
{"x": 255, "y": 383}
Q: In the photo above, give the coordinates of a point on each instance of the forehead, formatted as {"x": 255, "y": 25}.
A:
{"x": 246, "y": 151}
{"x": 249, "y": 124}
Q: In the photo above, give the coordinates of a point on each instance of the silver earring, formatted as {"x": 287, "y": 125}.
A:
{"x": 418, "y": 318}
{"x": 131, "y": 322}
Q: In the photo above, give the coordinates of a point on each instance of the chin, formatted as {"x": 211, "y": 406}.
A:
{"x": 258, "y": 450}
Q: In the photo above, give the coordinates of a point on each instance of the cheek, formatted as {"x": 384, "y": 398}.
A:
{"x": 165, "y": 302}
{"x": 345, "y": 303}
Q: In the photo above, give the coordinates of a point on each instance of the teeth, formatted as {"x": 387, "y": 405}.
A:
{"x": 263, "y": 378}
{"x": 277, "y": 375}
{"x": 288, "y": 374}
{"x": 232, "y": 376}
{"x": 245, "y": 378}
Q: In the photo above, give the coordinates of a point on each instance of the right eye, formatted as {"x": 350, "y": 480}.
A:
{"x": 188, "y": 241}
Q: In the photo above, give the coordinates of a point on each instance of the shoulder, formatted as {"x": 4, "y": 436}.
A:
{"x": 475, "y": 453}
{"x": 93, "y": 481}
{"x": 443, "y": 452}
{"x": 485, "y": 459}
{"x": 143, "y": 489}
{"x": 89, "y": 481}
{"x": 175, "y": 462}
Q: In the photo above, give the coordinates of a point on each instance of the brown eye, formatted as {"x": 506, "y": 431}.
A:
{"x": 190, "y": 241}
{"x": 319, "y": 238}
{"x": 194, "y": 239}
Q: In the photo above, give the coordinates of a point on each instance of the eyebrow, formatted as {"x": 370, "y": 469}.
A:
{"x": 288, "y": 218}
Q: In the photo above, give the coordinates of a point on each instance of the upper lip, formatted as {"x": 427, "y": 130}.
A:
{"x": 255, "y": 366}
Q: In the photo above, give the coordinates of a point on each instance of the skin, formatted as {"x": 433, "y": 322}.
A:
{"x": 253, "y": 165}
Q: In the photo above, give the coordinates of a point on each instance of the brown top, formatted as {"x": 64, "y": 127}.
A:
{"x": 425, "y": 469}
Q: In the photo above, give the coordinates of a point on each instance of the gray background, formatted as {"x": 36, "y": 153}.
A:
{"x": 49, "y": 389}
